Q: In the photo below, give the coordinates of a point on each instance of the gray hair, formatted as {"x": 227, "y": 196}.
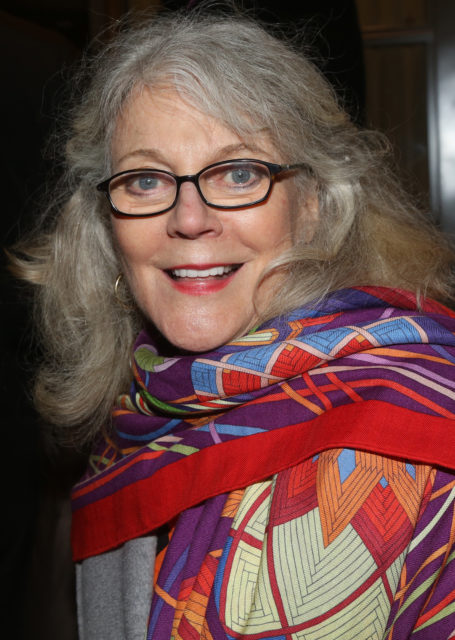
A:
{"x": 232, "y": 69}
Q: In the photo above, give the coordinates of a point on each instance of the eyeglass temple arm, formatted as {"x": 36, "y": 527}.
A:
{"x": 298, "y": 165}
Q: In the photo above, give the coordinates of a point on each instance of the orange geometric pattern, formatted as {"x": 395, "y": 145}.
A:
{"x": 340, "y": 501}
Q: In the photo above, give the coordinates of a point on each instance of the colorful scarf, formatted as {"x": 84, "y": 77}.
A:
{"x": 364, "y": 371}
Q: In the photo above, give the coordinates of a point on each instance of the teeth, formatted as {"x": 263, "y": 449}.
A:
{"x": 202, "y": 273}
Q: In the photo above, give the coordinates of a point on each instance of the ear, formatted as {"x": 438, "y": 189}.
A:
{"x": 309, "y": 214}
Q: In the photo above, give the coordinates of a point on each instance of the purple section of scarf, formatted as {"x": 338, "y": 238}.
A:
{"x": 199, "y": 531}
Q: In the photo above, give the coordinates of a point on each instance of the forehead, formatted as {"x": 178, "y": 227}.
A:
{"x": 160, "y": 121}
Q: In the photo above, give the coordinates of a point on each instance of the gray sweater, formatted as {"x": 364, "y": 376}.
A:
{"x": 114, "y": 592}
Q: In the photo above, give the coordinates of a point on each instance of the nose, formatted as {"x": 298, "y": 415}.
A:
{"x": 191, "y": 217}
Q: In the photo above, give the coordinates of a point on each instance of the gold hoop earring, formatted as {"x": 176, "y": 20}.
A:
{"x": 117, "y": 296}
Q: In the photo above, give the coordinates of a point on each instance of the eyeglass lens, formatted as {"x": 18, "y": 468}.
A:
{"x": 231, "y": 184}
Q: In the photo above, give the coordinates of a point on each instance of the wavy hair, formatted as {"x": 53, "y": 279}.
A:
{"x": 232, "y": 69}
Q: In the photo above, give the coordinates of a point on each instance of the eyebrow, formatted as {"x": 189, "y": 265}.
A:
{"x": 220, "y": 154}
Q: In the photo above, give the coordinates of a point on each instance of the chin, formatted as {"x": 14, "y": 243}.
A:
{"x": 197, "y": 340}
{"x": 193, "y": 345}
{"x": 199, "y": 330}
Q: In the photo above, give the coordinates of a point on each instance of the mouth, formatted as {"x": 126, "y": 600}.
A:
{"x": 200, "y": 280}
{"x": 202, "y": 272}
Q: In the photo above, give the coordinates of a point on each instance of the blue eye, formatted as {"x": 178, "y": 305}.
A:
{"x": 148, "y": 182}
{"x": 240, "y": 176}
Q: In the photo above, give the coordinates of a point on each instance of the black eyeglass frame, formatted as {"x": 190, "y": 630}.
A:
{"x": 274, "y": 170}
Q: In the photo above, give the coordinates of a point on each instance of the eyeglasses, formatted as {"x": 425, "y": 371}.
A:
{"x": 231, "y": 184}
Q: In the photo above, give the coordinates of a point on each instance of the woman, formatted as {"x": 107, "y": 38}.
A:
{"x": 288, "y": 436}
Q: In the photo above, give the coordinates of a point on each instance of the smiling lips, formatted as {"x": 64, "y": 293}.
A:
{"x": 200, "y": 280}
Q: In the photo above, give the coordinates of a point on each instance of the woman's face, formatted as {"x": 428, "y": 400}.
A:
{"x": 199, "y": 313}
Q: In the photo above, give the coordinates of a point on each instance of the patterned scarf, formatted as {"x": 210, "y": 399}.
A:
{"x": 364, "y": 370}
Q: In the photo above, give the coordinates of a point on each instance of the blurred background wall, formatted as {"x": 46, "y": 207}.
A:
{"x": 392, "y": 62}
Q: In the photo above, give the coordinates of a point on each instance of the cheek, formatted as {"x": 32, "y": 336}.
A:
{"x": 134, "y": 240}
{"x": 134, "y": 245}
{"x": 125, "y": 249}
